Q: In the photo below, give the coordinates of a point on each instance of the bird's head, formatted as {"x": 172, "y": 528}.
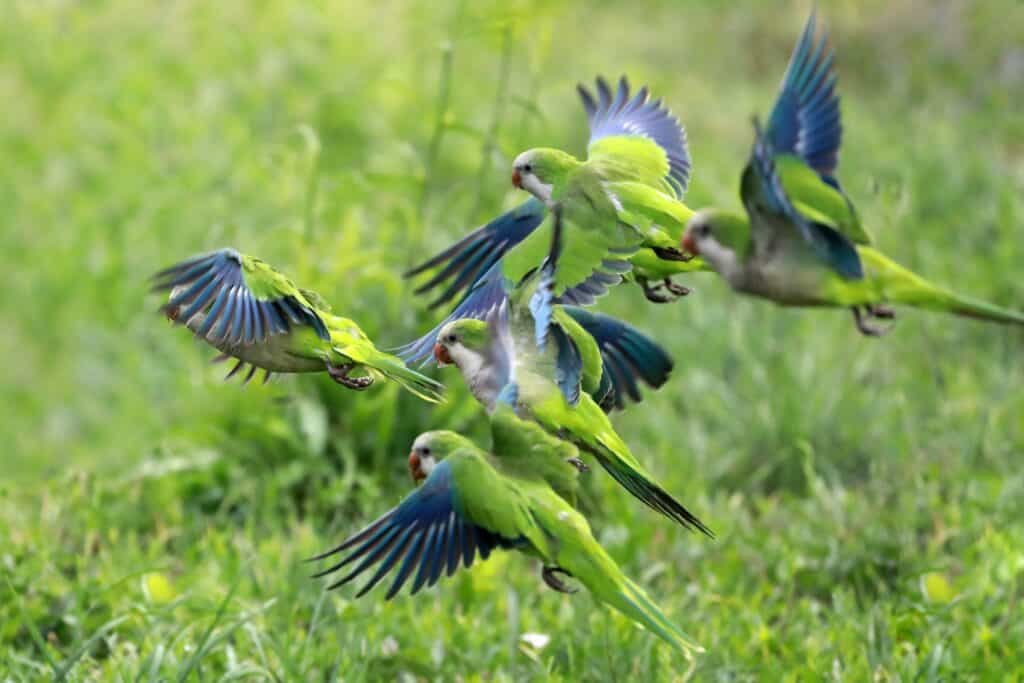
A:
{"x": 462, "y": 343}
{"x": 538, "y": 170}
{"x": 717, "y": 236}
{"x": 430, "y": 448}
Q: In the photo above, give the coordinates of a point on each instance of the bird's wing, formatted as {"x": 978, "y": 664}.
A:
{"x": 775, "y": 219}
{"x": 805, "y": 123}
{"x": 485, "y": 295}
{"x": 627, "y": 356}
{"x": 465, "y": 263}
{"x": 636, "y": 139}
{"x": 525, "y": 447}
{"x": 245, "y": 299}
{"x": 463, "y": 509}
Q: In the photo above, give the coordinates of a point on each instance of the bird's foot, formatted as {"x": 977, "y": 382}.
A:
{"x": 866, "y": 328}
{"x": 655, "y": 294}
{"x": 578, "y": 464}
{"x": 550, "y": 576}
{"x": 880, "y": 311}
{"x": 678, "y": 290}
{"x": 671, "y": 254}
{"x": 340, "y": 374}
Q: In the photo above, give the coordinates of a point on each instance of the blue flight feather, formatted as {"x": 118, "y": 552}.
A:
{"x": 621, "y": 115}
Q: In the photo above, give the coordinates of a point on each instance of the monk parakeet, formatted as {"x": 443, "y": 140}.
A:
{"x": 801, "y": 243}
{"x": 470, "y": 502}
{"x": 256, "y": 315}
{"x": 619, "y": 356}
{"x": 623, "y": 206}
{"x": 501, "y": 365}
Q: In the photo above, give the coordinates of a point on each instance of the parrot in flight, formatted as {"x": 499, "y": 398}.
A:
{"x": 254, "y": 314}
{"x": 500, "y": 365}
{"x": 618, "y": 356}
{"x": 470, "y": 502}
{"x": 800, "y": 241}
{"x": 623, "y": 206}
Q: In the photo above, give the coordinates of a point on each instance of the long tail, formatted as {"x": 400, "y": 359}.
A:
{"x": 902, "y": 286}
{"x": 596, "y": 570}
{"x": 642, "y": 486}
{"x": 392, "y": 367}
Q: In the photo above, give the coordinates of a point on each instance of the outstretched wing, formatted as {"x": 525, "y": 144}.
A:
{"x": 805, "y": 126}
{"x": 635, "y": 138}
{"x": 774, "y": 215}
{"x": 805, "y": 120}
{"x": 245, "y": 300}
{"x": 628, "y": 357}
{"x": 431, "y": 532}
{"x": 485, "y": 295}
{"x": 470, "y": 259}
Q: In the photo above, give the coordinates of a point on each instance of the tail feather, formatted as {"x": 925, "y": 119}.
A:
{"x": 419, "y": 385}
{"x": 596, "y": 570}
{"x": 900, "y": 285}
{"x": 644, "y": 488}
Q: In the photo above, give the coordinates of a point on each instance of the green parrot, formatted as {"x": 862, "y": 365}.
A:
{"x": 801, "y": 242}
{"x": 500, "y": 365}
{"x": 251, "y": 312}
{"x": 622, "y": 207}
{"x": 471, "y": 502}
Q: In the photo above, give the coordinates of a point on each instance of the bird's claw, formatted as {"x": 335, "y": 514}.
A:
{"x": 340, "y": 374}
{"x": 656, "y": 293}
{"x": 549, "y": 574}
{"x": 678, "y": 290}
{"x": 672, "y": 254}
{"x": 578, "y": 464}
{"x": 880, "y": 312}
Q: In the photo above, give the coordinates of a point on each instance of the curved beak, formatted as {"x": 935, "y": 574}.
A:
{"x": 688, "y": 245}
{"x": 442, "y": 356}
{"x": 414, "y": 467}
{"x": 517, "y": 179}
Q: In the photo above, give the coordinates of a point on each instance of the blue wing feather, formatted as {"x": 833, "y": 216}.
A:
{"x": 425, "y": 532}
{"x": 472, "y": 257}
{"x": 805, "y": 120}
{"x": 621, "y": 115}
{"x": 627, "y": 356}
{"x": 215, "y": 283}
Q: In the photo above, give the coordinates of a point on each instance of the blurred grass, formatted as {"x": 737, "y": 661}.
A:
{"x": 866, "y": 494}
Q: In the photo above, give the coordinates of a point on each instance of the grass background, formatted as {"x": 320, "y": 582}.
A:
{"x": 867, "y": 494}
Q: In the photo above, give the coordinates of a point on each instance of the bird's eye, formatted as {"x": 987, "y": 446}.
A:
{"x": 425, "y": 450}
{"x": 528, "y": 168}
{"x": 451, "y": 339}
{"x": 705, "y": 230}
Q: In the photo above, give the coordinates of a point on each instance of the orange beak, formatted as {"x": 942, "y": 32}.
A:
{"x": 414, "y": 467}
{"x": 442, "y": 356}
{"x": 517, "y": 179}
{"x": 688, "y": 245}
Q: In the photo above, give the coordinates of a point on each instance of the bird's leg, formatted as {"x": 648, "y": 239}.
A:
{"x": 678, "y": 290}
{"x": 881, "y": 311}
{"x": 578, "y": 464}
{"x": 549, "y": 574}
{"x": 654, "y": 294}
{"x": 863, "y": 326}
{"x": 671, "y": 254}
{"x": 339, "y": 373}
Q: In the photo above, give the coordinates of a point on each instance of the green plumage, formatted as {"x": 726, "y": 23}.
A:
{"x": 472, "y": 500}
{"x": 255, "y": 314}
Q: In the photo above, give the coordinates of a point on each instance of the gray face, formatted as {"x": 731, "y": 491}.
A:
{"x": 523, "y": 176}
{"x": 421, "y": 459}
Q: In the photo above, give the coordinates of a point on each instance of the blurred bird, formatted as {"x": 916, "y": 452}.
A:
{"x": 500, "y": 365}
{"x": 622, "y": 208}
{"x": 256, "y": 315}
{"x": 472, "y": 502}
{"x": 801, "y": 242}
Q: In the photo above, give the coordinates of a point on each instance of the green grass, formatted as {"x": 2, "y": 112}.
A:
{"x": 867, "y": 494}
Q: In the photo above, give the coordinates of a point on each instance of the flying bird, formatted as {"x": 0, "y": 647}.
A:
{"x": 800, "y": 241}
{"x": 470, "y": 502}
{"x": 255, "y": 315}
